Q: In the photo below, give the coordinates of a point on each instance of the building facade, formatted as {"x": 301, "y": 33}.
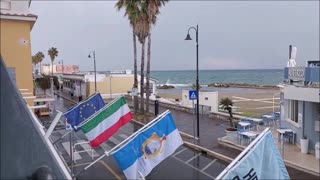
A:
{"x": 109, "y": 85}
{"x": 300, "y": 102}
{"x": 16, "y": 22}
{"x": 59, "y": 69}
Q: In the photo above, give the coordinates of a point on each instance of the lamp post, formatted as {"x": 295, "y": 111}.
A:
{"x": 95, "y": 72}
{"x": 197, "y": 81}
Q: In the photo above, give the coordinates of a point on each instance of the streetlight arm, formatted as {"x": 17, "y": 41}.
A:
{"x": 193, "y": 29}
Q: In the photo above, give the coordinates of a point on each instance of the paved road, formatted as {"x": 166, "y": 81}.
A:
{"x": 184, "y": 164}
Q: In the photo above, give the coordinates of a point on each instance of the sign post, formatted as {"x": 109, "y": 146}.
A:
{"x": 193, "y": 95}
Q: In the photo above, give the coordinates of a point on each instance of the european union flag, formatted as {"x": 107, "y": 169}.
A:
{"x": 84, "y": 109}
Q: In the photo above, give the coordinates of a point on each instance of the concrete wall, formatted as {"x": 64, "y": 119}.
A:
{"x": 205, "y": 98}
{"x": 302, "y": 94}
{"x": 309, "y": 118}
{"x": 120, "y": 84}
{"x": 14, "y": 6}
{"x": 16, "y": 51}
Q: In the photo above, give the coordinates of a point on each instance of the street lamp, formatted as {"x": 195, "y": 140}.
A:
{"x": 95, "y": 73}
{"x": 197, "y": 81}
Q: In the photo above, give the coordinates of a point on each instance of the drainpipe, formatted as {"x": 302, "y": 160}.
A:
{"x": 303, "y": 116}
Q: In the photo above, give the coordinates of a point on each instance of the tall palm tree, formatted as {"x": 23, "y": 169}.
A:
{"x": 53, "y": 53}
{"x": 142, "y": 30}
{"x": 153, "y": 9}
{"x": 40, "y": 56}
{"x": 131, "y": 11}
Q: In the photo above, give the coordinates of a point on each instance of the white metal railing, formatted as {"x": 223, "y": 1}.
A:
{"x": 85, "y": 150}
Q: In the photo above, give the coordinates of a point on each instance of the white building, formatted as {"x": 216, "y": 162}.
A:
{"x": 300, "y": 102}
{"x": 208, "y": 101}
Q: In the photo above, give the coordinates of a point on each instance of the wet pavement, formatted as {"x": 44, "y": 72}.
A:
{"x": 183, "y": 164}
{"x": 187, "y": 164}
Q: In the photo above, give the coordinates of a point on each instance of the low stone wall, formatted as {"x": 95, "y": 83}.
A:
{"x": 224, "y": 116}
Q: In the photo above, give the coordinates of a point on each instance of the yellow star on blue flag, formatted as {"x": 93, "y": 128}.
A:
{"x": 84, "y": 110}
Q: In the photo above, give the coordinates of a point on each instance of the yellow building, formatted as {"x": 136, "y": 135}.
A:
{"x": 109, "y": 85}
{"x": 16, "y": 22}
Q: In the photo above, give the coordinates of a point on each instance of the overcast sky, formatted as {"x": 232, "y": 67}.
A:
{"x": 232, "y": 35}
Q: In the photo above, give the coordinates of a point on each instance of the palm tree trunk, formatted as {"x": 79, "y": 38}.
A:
{"x": 148, "y": 73}
{"x": 40, "y": 68}
{"x": 142, "y": 78}
{"x": 51, "y": 68}
{"x": 135, "y": 68}
{"x": 231, "y": 116}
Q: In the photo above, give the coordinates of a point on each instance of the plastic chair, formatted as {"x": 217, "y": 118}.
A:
{"x": 289, "y": 136}
{"x": 265, "y": 121}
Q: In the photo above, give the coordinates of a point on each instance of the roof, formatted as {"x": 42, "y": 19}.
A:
{"x": 21, "y": 15}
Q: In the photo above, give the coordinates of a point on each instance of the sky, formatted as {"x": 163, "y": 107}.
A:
{"x": 232, "y": 34}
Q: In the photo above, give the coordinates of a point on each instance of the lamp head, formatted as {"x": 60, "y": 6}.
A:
{"x": 89, "y": 56}
{"x": 188, "y": 37}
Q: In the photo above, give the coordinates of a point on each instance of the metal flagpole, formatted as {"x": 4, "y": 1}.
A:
{"x": 86, "y": 119}
{"x": 118, "y": 145}
{"x": 71, "y": 154}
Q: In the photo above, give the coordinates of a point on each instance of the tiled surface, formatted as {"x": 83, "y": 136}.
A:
{"x": 292, "y": 153}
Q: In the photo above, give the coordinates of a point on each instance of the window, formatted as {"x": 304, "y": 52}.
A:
{"x": 5, "y": 4}
{"x": 293, "y": 110}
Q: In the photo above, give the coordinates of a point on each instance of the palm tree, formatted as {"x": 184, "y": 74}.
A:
{"x": 40, "y": 56}
{"x": 53, "y": 53}
{"x": 153, "y": 9}
{"x": 34, "y": 62}
{"x": 142, "y": 29}
{"x": 227, "y": 104}
{"x": 131, "y": 11}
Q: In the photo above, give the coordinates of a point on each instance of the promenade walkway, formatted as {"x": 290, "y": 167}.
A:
{"x": 210, "y": 130}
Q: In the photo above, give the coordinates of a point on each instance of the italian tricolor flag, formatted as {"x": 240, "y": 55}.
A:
{"x": 105, "y": 123}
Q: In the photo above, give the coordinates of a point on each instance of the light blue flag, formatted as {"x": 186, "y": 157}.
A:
{"x": 148, "y": 148}
{"x": 263, "y": 161}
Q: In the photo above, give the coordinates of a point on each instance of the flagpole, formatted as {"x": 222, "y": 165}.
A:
{"x": 71, "y": 154}
{"x": 132, "y": 135}
{"x": 237, "y": 159}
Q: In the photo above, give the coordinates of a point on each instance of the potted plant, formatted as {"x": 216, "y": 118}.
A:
{"x": 231, "y": 131}
{"x": 304, "y": 145}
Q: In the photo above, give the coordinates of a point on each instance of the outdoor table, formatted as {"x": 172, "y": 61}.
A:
{"x": 282, "y": 131}
{"x": 257, "y": 122}
{"x": 268, "y": 116}
{"x": 244, "y": 124}
{"x": 251, "y": 135}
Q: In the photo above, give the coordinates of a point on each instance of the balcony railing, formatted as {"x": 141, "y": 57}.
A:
{"x": 304, "y": 74}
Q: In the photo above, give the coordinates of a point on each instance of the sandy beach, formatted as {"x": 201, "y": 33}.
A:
{"x": 262, "y": 102}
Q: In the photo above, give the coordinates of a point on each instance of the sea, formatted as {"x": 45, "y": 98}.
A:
{"x": 183, "y": 79}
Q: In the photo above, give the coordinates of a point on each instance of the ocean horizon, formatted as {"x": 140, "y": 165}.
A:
{"x": 206, "y": 77}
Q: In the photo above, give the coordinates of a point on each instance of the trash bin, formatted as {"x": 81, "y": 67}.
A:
{"x": 317, "y": 150}
{"x": 156, "y": 107}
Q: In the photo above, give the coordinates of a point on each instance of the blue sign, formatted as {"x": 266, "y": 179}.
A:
{"x": 193, "y": 94}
